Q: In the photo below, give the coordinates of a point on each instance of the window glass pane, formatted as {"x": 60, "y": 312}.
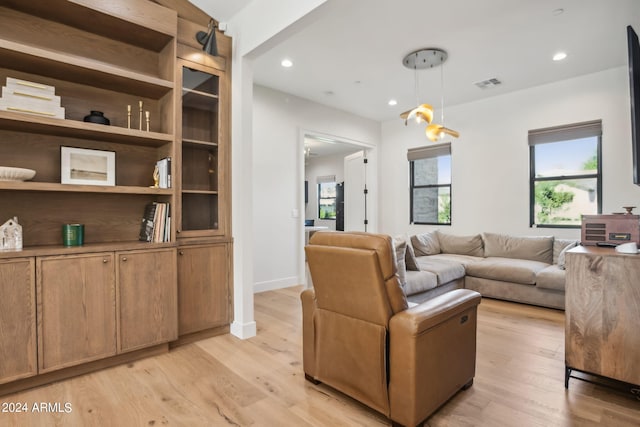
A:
{"x": 432, "y": 171}
{"x": 327, "y": 200}
{"x": 567, "y": 158}
{"x": 327, "y": 189}
{"x": 432, "y": 205}
{"x": 562, "y": 202}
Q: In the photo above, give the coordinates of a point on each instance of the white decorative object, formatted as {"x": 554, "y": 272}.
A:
{"x": 11, "y": 235}
{"x": 23, "y": 96}
{"x": 16, "y": 174}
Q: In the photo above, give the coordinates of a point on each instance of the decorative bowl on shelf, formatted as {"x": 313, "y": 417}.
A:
{"x": 16, "y": 174}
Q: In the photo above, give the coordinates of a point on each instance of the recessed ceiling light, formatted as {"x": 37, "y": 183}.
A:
{"x": 557, "y": 12}
{"x": 286, "y": 63}
{"x": 559, "y": 56}
{"x": 392, "y": 102}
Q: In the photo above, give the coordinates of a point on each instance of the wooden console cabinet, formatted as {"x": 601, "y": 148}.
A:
{"x": 603, "y": 314}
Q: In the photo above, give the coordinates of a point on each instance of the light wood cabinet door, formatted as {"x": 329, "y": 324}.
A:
{"x": 17, "y": 319}
{"x": 76, "y": 309}
{"x": 203, "y": 288}
{"x": 147, "y": 288}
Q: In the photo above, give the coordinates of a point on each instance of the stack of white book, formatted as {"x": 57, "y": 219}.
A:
{"x": 22, "y": 96}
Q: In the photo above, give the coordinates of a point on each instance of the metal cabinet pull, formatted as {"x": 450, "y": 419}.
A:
{"x": 124, "y": 258}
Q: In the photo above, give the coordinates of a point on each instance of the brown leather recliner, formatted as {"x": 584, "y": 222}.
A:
{"x": 360, "y": 337}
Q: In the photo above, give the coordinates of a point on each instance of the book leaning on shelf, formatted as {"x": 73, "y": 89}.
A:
{"x": 164, "y": 172}
{"x": 156, "y": 223}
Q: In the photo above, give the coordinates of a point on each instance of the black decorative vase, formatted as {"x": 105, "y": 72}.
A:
{"x": 97, "y": 117}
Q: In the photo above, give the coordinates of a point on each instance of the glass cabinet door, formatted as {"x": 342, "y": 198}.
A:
{"x": 200, "y": 155}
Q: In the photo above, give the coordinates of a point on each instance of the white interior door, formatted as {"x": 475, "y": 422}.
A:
{"x": 355, "y": 187}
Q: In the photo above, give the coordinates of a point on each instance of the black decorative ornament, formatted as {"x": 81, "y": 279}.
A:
{"x": 97, "y": 117}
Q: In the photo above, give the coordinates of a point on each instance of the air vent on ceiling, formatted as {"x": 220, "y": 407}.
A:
{"x": 483, "y": 84}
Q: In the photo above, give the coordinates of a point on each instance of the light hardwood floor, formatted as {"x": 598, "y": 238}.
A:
{"x": 224, "y": 381}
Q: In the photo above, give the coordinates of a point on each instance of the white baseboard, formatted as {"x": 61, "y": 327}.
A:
{"x": 271, "y": 285}
{"x": 244, "y": 331}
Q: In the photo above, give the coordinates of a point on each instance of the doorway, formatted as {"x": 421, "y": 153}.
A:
{"x": 337, "y": 184}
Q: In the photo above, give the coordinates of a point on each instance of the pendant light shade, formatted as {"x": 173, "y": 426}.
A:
{"x": 437, "y": 132}
{"x": 419, "y": 60}
{"x": 422, "y": 113}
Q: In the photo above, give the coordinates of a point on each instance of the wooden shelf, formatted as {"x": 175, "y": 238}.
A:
{"x": 74, "y": 129}
{"x": 199, "y": 142}
{"x": 127, "y": 23}
{"x": 209, "y": 192}
{"x": 45, "y": 250}
{"x": 81, "y": 70}
{"x": 71, "y": 188}
{"x": 199, "y": 100}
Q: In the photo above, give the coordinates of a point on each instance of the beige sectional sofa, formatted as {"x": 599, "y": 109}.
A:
{"x": 521, "y": 269}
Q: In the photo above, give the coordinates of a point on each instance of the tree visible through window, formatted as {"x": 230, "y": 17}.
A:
{"x": 565, "y": 174}
{"x": 430, "y": 184}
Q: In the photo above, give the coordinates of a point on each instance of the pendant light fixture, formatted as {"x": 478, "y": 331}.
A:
{"x": 420, "y": 60}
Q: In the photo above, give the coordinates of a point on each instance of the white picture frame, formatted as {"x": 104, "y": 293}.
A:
{"x": 82, "y": 166}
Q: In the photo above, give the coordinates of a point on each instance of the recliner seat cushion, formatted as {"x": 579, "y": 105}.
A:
{"x": 507, "y": 270}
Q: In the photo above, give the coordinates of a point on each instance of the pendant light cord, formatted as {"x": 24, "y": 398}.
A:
{"x": 442, "y": 92}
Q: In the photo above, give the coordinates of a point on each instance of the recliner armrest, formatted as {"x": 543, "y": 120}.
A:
{"x": 434, "y": 311}
{"x": 432, "y": 352}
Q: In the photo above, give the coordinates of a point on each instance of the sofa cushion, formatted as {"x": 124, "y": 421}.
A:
{"x": 559, "y": 245}
{"x": 507, "y": 269}
{"x": 561, "y": 257}
{"x": 410, "y": 259}
{"x": 526, "y": 248}
{"x": 426, "y": 243}
{"x": 419, "y": 281}
{"x": 552, "y": 277}
{"x": 462, "y": 245}
{"x": 400, "y": 246}
{"x": 460, "y": 259}
{"x": 446, "y": 271}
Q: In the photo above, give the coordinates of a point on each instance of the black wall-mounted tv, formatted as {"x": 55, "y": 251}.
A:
{"x": 634, "y": 90}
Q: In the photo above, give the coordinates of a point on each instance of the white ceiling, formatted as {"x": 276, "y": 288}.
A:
{"x": 350, "y": 57}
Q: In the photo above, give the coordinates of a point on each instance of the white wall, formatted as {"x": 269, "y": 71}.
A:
{"x": 490, "y": 160}
{"x": 279, "y": 120}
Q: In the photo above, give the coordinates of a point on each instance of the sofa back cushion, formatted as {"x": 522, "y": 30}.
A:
{"x": 560, "y": 245}
{"x": 400, "y": 246}
{"x": 531, "y": 248}
{"x": 426, "y": 243}
{"x": 461, "y": 245}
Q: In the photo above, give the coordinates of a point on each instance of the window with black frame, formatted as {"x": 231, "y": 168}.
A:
{"x": 565, "y": 174}
{"x": 430, "y": 184}
{"x": 327, "y": 207}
